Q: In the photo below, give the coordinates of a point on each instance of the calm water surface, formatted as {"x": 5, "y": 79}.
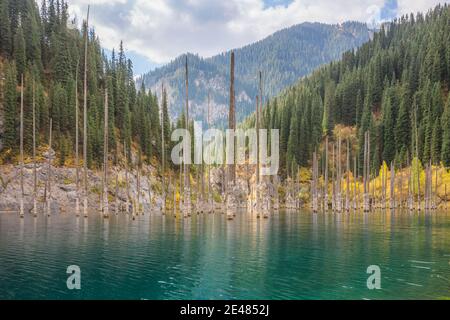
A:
{"x": 292, "y": 255}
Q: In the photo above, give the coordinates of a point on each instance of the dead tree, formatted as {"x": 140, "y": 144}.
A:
{"x": 77, "y": 156}
{"x": 392, "y": 189}
{"x": 105, "y": 160}
{"x": 187, "y": 191}
{"x": 347, "y": 193}
{"x": 85, "y": 133}
{"x": 325, "y": 191}
{"x": 163, "y": 152}
{"x": 366, "y": 201}
{"x": 49, "y": 171}
{"x": 34, "y": 153}
{"x": 21, "y": 149}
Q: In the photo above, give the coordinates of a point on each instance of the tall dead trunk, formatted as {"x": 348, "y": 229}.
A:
{"x": 49, "y": 171}
{"x": 232, "y": 121}
{"x": 105, "y": 160}
{"x": 85, "y": 134}
{"x": 163, "y": 153}
{"x": 34, "y": 153}
{"x": 77, "y": 156}
{"x": 21, "y": 149}
{"x": 187, "y": 191}
{"x": 392, "y": 189}
{"x": 325, "y": 188}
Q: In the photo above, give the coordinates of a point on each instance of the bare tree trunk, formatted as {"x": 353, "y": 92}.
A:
{"x": 355, "y": 201}
{"x": 127, "y": 185}
{"x": 392, "y": 189}
{"x": 105, "y": 160}
{"x": 333, "y": 182}
{"x": 257, "y": 159}
{"x": 231, "y": 168}
{"x": 85, "y": 134}
{"x": 116, "y": 195}
{"x": 187, "y": 191}
{"x": 49, "y": 171}
{"x": 210, "y": 199}
{"x": 77, "y": 156}
{"x": 21, "y": 149}
{"x": 34, "y": 153}
{"x": 163, "y": 154}
{"x": 347, "y": 194}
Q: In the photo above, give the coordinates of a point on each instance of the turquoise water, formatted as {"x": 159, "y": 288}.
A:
{"x": 292, "y": 255}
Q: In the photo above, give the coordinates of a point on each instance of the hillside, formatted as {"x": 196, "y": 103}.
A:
{"x": 284, "y": 57}
{"x": 395, "y": 86}
{"x": 38, "y": 44}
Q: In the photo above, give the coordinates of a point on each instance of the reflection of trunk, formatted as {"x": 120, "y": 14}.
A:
{"x": 21, "y": 149}
{"x": 85, "y": 134}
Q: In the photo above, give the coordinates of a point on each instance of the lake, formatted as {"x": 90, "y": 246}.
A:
{"x": 291, "y": 255}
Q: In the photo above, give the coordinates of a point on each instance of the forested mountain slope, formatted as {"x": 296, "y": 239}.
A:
{"x": 395, "y": 81}
{"x": 284, "y": 57}
{"x": 38, "y": 43}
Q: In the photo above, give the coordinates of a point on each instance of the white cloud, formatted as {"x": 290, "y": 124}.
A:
{"x": 164, "y": 29}
{"x": 408, "y": 6}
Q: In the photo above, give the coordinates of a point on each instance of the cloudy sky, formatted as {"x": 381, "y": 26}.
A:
{"x": 156, "y": 31}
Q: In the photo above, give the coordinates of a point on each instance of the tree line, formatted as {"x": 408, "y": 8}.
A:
{"x": 395, "y": 86}
{"x": 48, "y": 49}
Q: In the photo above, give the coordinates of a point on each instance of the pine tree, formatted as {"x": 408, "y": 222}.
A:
{"x": 5, "y": 29}
{"x": 402, "y": 124}
{"x": 388, "y": 132}
{"x": 10, "y": 107}
{"x": 19, "y": 51}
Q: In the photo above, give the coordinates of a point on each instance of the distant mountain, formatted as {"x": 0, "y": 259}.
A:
{"x": 283, "y": 57}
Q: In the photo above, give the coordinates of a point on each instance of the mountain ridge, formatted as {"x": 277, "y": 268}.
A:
{"x": 284, "y": 57}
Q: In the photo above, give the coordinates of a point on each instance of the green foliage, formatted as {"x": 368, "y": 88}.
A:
{"x": 38, "y": 44}
{"x": 284, "y": 57}
{"x": 401, "y": 73}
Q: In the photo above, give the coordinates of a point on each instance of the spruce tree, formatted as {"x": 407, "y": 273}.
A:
{"x": 445, "y": 122}
{"x": 19, "y": 51}
{"x": 10, "y": 107}
{"x": 5, "y": 29}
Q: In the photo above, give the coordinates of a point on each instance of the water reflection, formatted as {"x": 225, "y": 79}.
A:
{"x": 291, "y": 255}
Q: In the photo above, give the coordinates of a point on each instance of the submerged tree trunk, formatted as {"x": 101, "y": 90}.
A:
{"x": 85, "y": 134}
{"x": 21, "y": 149}
{"x": 34, "y": 153}
{"x": 49, "y": 171}
{"x": 105, "y": 160}
{"x": 187, "y": 191}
